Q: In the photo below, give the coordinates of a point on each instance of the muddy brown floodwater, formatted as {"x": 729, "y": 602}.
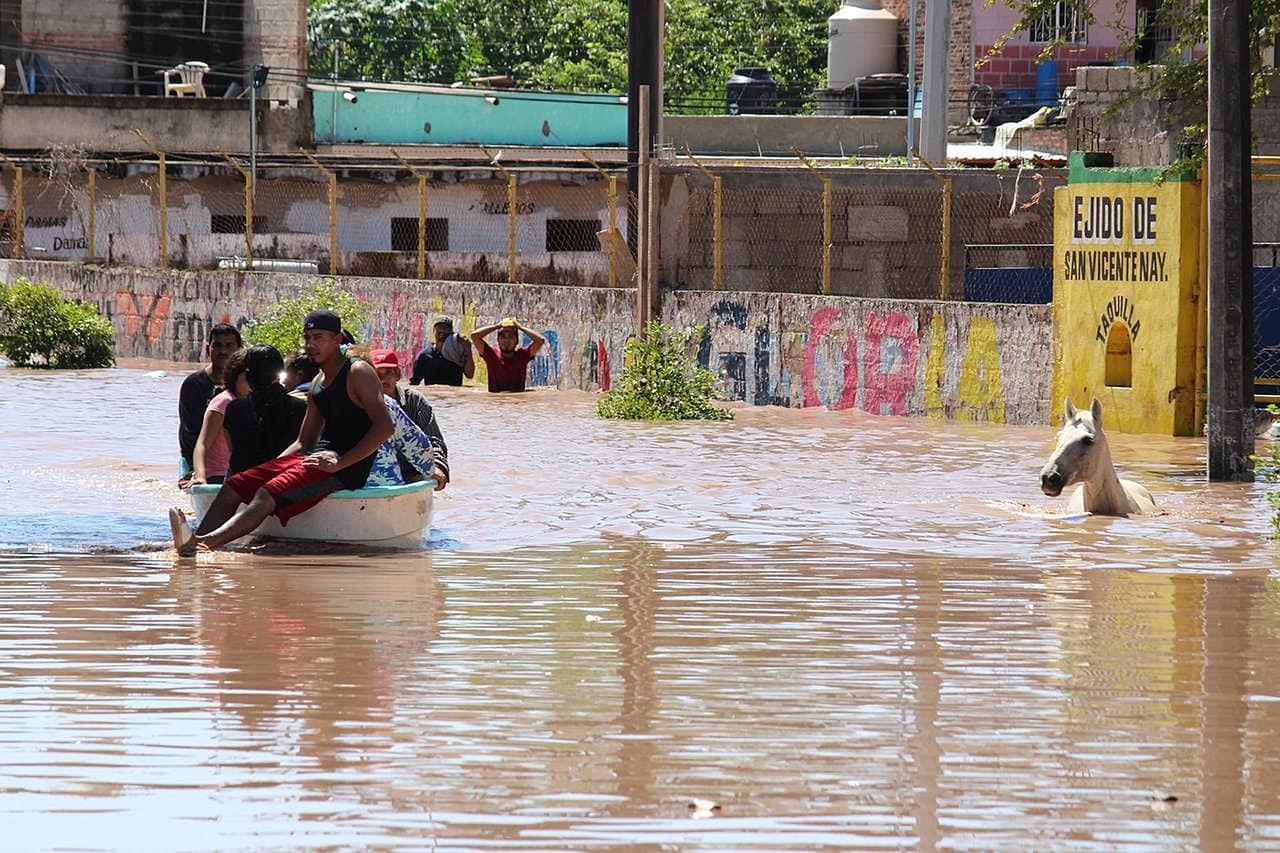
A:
{"x": 845, "y": 630}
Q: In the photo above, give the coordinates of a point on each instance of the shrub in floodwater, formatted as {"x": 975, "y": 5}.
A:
{"x": 39, "y": 328}
{"x": 1268, "y": 467}
{"x": 281, "y": 327}
{"x": 661, "y": 383}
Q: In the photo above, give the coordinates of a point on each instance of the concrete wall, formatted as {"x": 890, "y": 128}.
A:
{"x": 824, "y": 136}
{"x": 954, "y": 360}
{"x": 105, "y": 123}
{"x": 950, "y": 360}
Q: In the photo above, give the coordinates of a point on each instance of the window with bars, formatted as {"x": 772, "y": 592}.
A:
{"x": 1065, "y": 22}
{"x": 573, "y": 235}
{"x": 226, "y": 223}
{"x": 404, "y": 234}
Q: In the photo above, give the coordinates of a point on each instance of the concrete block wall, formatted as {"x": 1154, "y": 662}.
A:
{"x": 960, "y": 361}
{"x": 886, "y": 227}
{"x": 1146, "y": 131}
{"x": 1141, "y": 132}
{"x": 275, "y": 35}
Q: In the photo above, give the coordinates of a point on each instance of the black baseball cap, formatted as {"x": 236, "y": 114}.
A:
{"x": 326, "y": 321}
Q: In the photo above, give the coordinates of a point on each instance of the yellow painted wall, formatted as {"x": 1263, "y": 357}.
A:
{"x": 1126, "y": 251}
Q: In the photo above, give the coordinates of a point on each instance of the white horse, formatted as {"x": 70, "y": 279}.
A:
{"x": 1082, "y": 456}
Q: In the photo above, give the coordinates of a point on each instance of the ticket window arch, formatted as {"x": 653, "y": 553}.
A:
{"x": 1119, "y": 366}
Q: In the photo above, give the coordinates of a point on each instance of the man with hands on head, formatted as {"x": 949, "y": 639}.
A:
{"x": 508, "y": 363}
{"x": 347, "y": 415}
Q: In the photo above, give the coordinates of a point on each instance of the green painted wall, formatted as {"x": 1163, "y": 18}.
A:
{"x": 448, "y": 116}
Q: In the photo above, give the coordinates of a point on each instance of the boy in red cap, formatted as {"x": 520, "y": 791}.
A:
{"x": 387, "y": 363}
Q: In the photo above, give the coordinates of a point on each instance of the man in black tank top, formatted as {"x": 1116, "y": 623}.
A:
{"x": 345, "y": 423}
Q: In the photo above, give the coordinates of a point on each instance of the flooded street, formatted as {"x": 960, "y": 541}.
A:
{"x": 845, "y": 630}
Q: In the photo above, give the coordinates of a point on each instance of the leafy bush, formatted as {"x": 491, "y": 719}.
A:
{"x": 1268, "y": 467}
{"x": 281, "y": 327}
{"x": 39, "y": 328}
{"x": 661, "y": 383}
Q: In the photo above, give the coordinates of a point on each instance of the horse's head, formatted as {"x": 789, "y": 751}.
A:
{"x": 1080, "y": 446}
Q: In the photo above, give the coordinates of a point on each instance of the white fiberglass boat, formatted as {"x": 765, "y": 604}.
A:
{"x": 381, "y": 516}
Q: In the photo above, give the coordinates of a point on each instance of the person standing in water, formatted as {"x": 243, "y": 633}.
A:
{"x": 447, "y": 360}
{"x": 508, "y": 364}
{"x": 345, "y": 411}
{"x": 200, "y": 387}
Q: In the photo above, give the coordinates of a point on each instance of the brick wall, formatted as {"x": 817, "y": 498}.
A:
{"x": 1015, "y": 67}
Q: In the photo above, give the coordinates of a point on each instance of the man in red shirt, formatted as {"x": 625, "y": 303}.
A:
{"x": 509, "y": 363}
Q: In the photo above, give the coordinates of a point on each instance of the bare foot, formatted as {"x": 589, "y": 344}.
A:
{"x": 184, "y": 541}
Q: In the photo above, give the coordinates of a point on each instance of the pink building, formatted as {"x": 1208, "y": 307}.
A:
{"x": 1014, "y": 69}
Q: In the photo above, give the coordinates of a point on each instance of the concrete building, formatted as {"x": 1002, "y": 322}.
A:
{"x": 84, "y": 73}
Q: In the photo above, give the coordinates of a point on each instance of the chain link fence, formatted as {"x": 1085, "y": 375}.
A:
{"x": 902, "y": 233}
{"x": 472, "y": 223}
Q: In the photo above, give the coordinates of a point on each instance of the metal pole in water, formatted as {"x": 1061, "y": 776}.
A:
{"x": 1229, "y": 427}
{"x": 911, "y": 83}
{"x": 933, "y": 131}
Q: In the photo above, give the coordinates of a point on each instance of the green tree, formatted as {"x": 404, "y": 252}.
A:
{"x": 661, "y": 383}
{"x": 569, "y": 44}
{"x": 410, "y": 40}
{"x": 39, "y": 328}
{"x": 281, "y": 327}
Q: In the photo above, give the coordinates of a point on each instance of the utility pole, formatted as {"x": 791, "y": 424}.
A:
{"x": 1229, "y": 427}
{"x": 644, "y": 68}
{"x": 937, "y": 38}
{"x": 256, "y": 82}
{"x": 911, "y": 84}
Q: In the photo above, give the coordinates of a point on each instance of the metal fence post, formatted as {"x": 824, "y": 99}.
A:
{"x": 162, "y": 192}
{"x": 19, "y": 214}
{"x": 826, "y": 221}
{"x": 332, "y": 179}
{"x": 613, "y": 216}
{"x": 93, "y": 195}
{"x": 944, "y": 248}
{"x": 422, "y": 213}
{"x": 511, "y": 218}
{"x": 248, "y": 208}
{"x": 717, "y": 232}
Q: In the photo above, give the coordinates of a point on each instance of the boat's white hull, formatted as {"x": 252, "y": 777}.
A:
{"x": 384, "y": 516}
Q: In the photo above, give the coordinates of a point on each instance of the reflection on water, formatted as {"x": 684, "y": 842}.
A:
{"x": 849, "y": 631}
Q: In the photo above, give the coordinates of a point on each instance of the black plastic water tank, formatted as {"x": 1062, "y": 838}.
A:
{"x": 751, "y": 91}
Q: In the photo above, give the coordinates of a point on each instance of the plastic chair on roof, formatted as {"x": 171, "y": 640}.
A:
{"x": 190, "y": 79}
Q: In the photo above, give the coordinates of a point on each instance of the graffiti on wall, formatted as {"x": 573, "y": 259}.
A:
{"x": 950, "y": 361}
{"x": 396, "y": 324}
{"x": 857, "y": 356}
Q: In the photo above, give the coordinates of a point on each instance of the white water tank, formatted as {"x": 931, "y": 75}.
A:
{"x": 862, "y": 39}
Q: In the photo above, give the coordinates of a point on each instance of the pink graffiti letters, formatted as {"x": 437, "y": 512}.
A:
{"x": 891, "y": 353}
{"x": 819, "y": 325}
